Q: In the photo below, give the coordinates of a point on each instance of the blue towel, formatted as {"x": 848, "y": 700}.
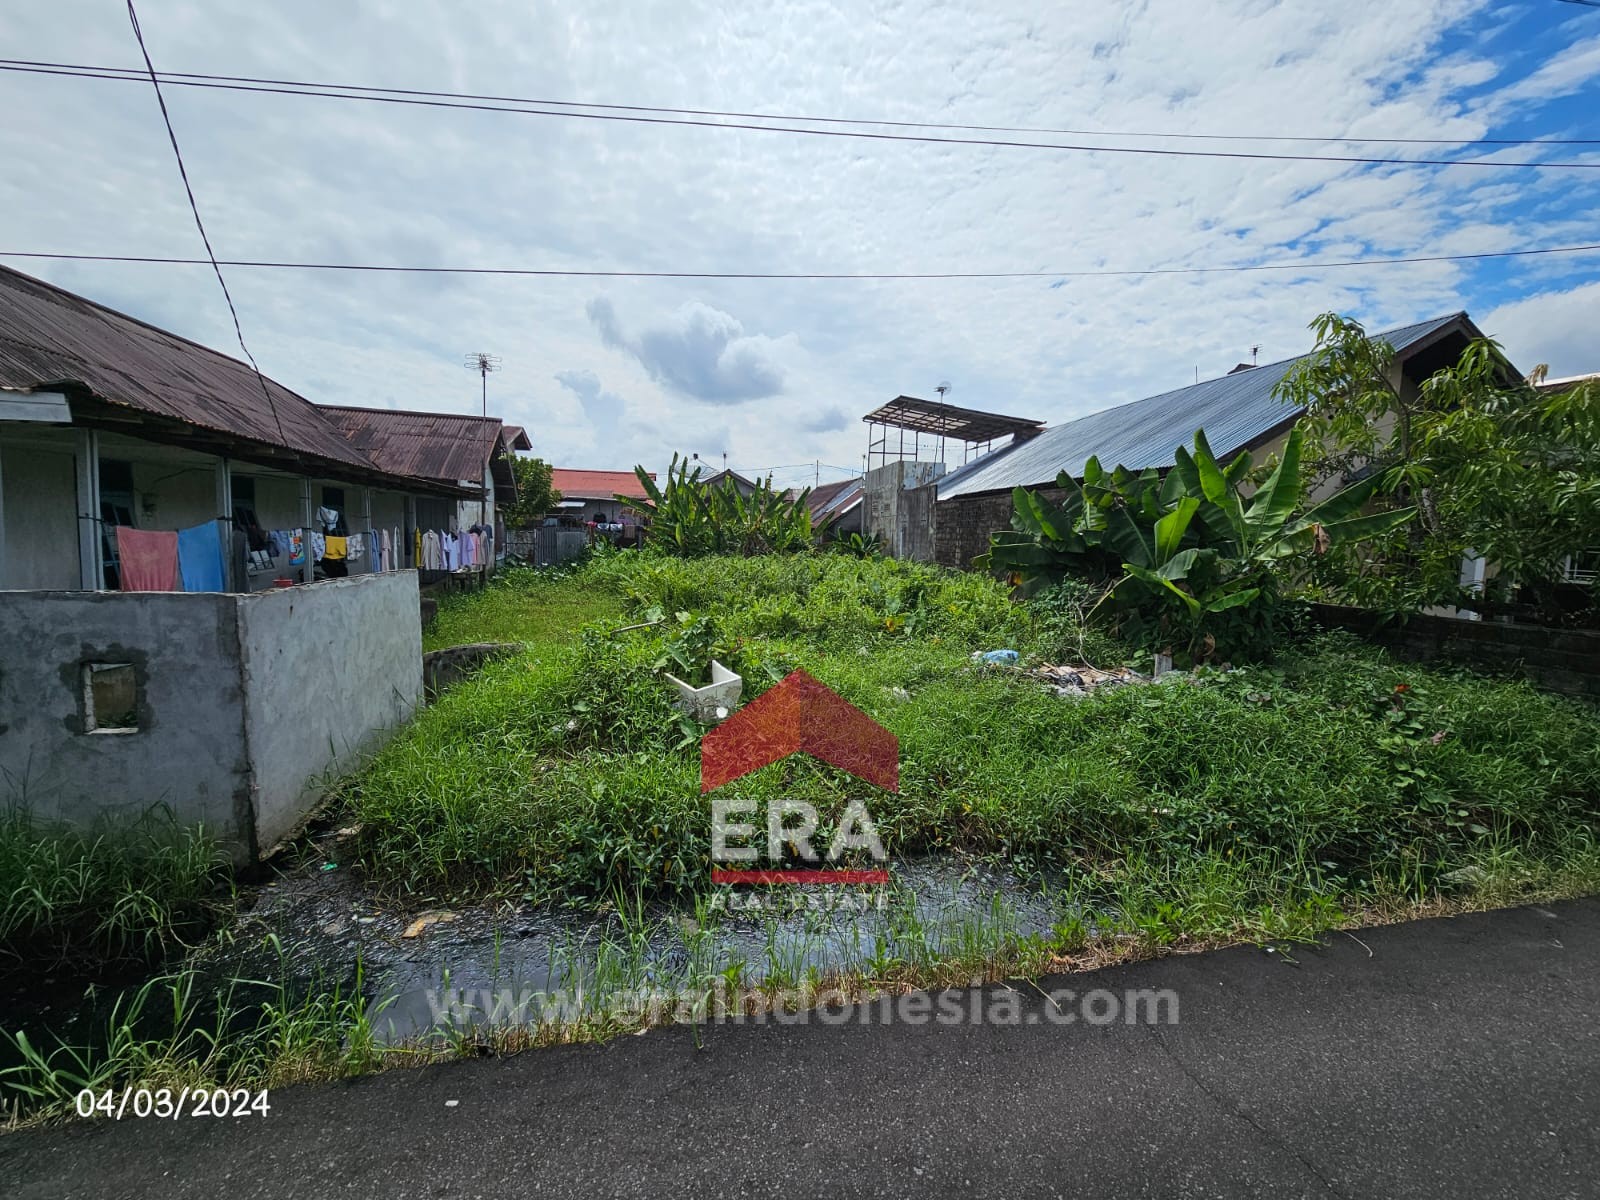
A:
{"x": 200, "y": 559}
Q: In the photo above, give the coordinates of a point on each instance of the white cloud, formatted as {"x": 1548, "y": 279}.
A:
{"x": 778, "y": 373}
{"x": 699, "y": 351}
{"x": 1556, "y": 328}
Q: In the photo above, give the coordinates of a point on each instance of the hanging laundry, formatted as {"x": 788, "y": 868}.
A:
{"x": 297, "y": 547}
{"x": 319, "y": 545}
{"x": 335, "y": 548}
{"x": 200, "y": 562}
{"x": 355, "y": 548}
{"x": 386, "y": 551}
{"x": 149, "y": 559}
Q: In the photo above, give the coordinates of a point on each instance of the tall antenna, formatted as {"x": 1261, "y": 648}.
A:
{"x": 1255, "y": 353}
{"x": 482, "y": 363}
{"x": 943, "y": 388}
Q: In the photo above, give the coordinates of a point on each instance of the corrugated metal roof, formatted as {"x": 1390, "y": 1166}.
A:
{"x": 444, "y": 446}
{"x": 1234, "y": 410}
{"x": 830, "y": 499}
{"x": 51, "y": 337}
{"x": 516, "y": 437}
{"x": 596, "y": 485}
{"x": 935, "y": 416}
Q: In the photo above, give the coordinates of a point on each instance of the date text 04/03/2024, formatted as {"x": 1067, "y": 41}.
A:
{"x": 170, "y": 1104}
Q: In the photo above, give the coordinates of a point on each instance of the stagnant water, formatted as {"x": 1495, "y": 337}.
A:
{"x": 323, "y": 922}
{"x": 316, "y": 926}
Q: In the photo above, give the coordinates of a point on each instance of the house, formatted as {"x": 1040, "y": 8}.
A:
{"x": 446, "y": 448}
{"x": 1238, "y": 411}
{"x": 229, "y": 683}
{"x": 837, "y": 508}
{"x": 742, "y": 485}
{"x": 592, "y": 495}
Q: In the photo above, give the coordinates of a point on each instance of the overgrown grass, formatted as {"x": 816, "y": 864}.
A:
{"x": 1269, "y": 805}
{"x": 1351, "y": 775}
{"x": 522, "y": 604}
{"x": 86, "y": 898}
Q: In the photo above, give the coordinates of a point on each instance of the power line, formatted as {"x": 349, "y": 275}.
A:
{"x": 194, "y": 208}
{"x": 543, "y": 272}
{"x": 292, "y": 89}
{"x": 101, "y": 72}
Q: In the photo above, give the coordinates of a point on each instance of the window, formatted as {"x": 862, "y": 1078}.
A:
{"x": 110, "y": 698}
{"x": 333, "y": 497}
{"x": 1583, "y": 568}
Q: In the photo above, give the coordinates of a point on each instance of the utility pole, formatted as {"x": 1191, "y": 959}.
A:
{"x": 483, "y": 363}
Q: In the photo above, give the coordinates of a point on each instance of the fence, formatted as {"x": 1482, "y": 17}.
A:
{"x": 1560, "y": 660}
{"x": 547, "y": 546}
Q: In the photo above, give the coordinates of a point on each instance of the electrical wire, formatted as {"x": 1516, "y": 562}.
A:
{"x": 634, "y": 118}
{"x": 194, "y": 208}
{"x": 557, "y": 273}
{"x": 101, "y": 72}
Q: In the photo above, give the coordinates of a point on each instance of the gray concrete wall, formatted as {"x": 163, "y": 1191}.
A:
{"x": 189, "y": 750}
{"x": 898, "y": 507}
{"x": 245, "y": 704}
{"x": 329, "y": 671}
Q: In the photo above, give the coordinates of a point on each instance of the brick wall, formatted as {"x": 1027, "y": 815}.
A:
{"x": 1561, "y": 660}
{"x": 964, "y": 525}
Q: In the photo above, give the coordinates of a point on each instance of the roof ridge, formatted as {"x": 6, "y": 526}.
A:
{"x": 406, "y": 412}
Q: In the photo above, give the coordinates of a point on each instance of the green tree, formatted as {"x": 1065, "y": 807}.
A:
{"x": 1495, "y": 469}
{"x": 536, "y": 494}
{"x": 1202, "y": 567}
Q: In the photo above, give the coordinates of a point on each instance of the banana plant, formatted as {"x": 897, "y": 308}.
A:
{"x": 1189, "y": 559}
{"x": 690, "y": 517}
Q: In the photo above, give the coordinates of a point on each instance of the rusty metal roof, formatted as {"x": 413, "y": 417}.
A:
{"x": 50, "y": 337}
{"x": 946, "y": 420}
{"x": 446, "y": 446}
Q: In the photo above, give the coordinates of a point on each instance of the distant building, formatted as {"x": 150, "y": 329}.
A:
{"x": 592, "y": 495}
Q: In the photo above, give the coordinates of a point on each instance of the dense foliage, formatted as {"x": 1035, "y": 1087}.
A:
{"x": 567, "y": 774}
{"x": 691, "y": 517}
{"x": 1487, "y": 464}
{"x": 1192, "y": 567}
{"x": 536, "y": 493}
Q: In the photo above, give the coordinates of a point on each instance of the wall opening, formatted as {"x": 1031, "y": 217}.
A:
{"x": 110, "y": 698}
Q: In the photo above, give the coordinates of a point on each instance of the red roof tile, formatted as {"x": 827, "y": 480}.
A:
{"x": 597, "y": 485}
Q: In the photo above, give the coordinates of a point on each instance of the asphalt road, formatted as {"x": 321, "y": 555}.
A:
{"x": 1443, "y": 1058}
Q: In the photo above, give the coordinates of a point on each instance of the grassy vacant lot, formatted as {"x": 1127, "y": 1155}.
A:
{"x": 1331, "y": 787}
{"x": 1331, "y": 780}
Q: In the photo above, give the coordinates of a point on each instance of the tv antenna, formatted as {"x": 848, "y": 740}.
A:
{"x": 482, "y": 364}
{"x": 943, "y": 388}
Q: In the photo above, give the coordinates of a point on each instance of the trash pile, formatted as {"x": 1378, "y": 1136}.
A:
{"x": 1082, "y": 679}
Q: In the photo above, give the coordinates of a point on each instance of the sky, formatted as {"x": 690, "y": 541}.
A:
{"x": 777, "y": 374}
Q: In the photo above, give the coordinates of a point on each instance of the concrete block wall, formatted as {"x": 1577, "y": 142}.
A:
{"x": 1560, "y": 660}
{"x": 244, "y": 704}
{"x": 963, "y": 526}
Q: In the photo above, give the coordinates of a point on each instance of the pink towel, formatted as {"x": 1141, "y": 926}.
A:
{"x": 149, "y": 559}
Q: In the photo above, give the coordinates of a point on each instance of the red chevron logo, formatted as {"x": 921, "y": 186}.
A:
{"x": 800, "y": 714}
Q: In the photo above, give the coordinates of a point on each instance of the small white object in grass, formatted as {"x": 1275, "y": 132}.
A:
{"x": 451, "y": 1103}
{"x": 572, "y": 724}
{"x": 722, "y": 713}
